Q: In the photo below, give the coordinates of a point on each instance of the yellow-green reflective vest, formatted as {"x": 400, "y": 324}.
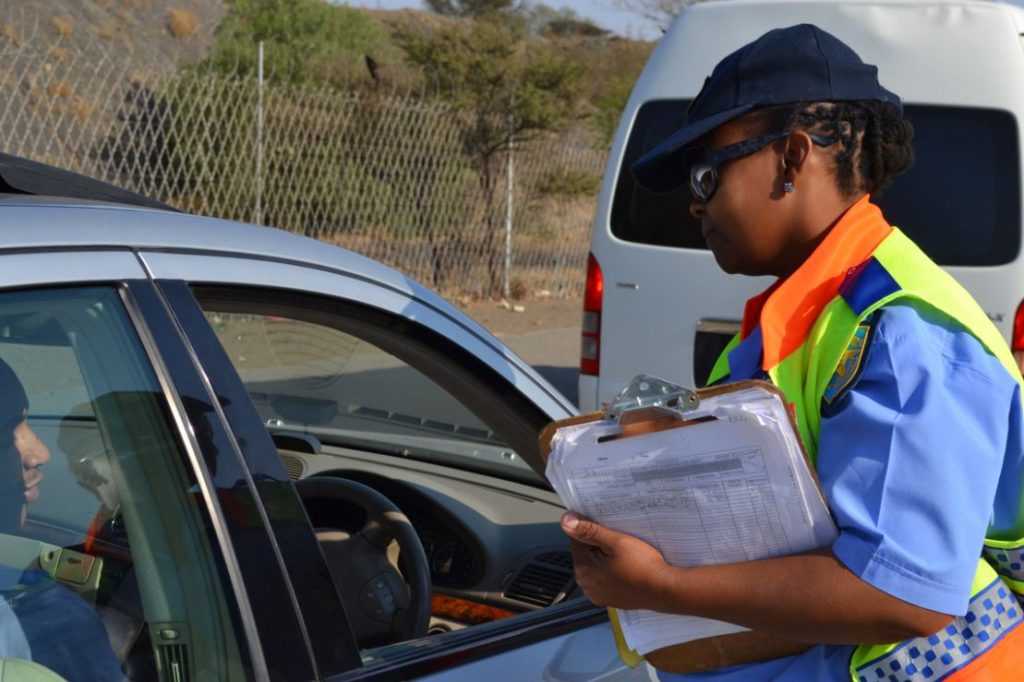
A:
{"x": 898, "y": 269}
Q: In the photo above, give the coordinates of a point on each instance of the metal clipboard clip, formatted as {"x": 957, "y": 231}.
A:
{"x": 646, "y": 397}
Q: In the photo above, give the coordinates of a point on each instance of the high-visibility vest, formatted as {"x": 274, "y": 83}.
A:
{"x": 985, "y": 643}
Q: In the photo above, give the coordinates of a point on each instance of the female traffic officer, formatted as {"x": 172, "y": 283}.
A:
{"x": 906, "y": 396}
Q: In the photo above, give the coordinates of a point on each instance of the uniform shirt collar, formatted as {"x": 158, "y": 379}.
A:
{"x": 788, "y": 309}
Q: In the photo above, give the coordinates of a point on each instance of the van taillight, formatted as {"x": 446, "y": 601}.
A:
{"x": 1017, "y": 342}
{"x": 590, "y": 343}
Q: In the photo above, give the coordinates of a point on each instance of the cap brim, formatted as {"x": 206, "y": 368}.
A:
{"x": 660, "y": 170}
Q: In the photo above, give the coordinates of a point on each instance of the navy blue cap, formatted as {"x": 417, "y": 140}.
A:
{"x": 801, "y": 63}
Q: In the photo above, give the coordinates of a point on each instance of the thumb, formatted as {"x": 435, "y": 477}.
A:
{"x": 586, "y": 531}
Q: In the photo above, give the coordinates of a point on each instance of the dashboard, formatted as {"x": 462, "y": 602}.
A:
{"x": 489, "y": 541}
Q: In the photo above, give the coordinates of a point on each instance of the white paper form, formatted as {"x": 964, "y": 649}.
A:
{"x": 722, "y": 491}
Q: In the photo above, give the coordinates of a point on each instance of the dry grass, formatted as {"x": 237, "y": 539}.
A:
{"x": 181, "y": 22}
{"x": 62, "y": 26}
{"x": 138, "y": 4}
{"x": 106, "y": 32}
{"x": 9, "y": 32}
{"x": 82, "y": 108}
{"x": 125, "y": 17}
{"x": 34, "y": 90}
{"x": 58, "y": 88}
{"x": 58, "y": 53}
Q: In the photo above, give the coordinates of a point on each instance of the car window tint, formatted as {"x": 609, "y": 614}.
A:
{"x": 960, "y": 153}
{"x": 316, "y": 378}
{"x": 106, "y": 560}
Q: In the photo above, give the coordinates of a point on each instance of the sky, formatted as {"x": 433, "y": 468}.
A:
{"x": 604, "y": 13}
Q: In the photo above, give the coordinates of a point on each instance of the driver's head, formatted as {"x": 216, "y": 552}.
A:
{"x": 21, "y": 452}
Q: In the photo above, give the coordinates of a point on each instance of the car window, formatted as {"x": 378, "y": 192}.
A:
{"x": 106, "y": 559}
{"x": 645, "y": 217}
{"x": 352, "y": 393}
{"x": 315, "y": 378}
{"x": 960, "y": 152}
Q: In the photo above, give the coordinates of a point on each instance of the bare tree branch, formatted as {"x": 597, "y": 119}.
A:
{"x": 661, "y": 12}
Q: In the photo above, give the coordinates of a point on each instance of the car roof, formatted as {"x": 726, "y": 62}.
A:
{"x": 101, "y": 216}
{"x": 49, "y": 207}
{"x": 33, "y": 222}
{"x": 52, "y": 207}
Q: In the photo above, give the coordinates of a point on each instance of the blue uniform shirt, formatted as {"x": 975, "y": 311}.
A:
{"x": 918, "y": 457}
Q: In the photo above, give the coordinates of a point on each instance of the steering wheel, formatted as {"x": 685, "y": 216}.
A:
{"x": 382, "y": 607}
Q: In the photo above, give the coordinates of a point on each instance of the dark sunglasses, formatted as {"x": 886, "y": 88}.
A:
{"x": 703, "y": 163}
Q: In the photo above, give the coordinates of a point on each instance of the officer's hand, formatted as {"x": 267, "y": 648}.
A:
{"x": 615, "y": 569}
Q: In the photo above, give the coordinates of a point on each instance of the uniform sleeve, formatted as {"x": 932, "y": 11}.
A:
{"x": 909, "y": 456}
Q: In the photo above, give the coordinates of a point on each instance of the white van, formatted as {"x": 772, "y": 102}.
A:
{"x": 656, "y": 301}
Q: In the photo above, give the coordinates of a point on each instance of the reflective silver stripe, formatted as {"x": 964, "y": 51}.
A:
{"x": 992, "y": 612}
{"x": 1008, "y": 562}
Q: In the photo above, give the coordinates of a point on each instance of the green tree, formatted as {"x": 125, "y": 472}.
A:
{"x": 304, "y": 41}
{"x": 612, "y": 71}
{"x": 542, "y": 19}
{"x": 505, "y": 89}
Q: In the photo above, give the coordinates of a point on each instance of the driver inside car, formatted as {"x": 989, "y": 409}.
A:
{"x": 40, "y": 619}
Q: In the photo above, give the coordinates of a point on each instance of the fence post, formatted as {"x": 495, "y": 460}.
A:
{"x": 258, "y": 212}
{"x": 507, "y": 285}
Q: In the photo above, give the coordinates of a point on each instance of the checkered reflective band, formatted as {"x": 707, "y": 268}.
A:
{"x": 1008, "y": 562}
{"x": 992, "y": 613}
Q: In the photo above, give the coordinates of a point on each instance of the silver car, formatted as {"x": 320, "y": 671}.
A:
{"x": 237, "y": 453}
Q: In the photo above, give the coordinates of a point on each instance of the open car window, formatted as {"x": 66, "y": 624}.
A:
{"x": 108, "y": 565}
{"x": 318, "y": 379}
{"x": 357, "y": 393}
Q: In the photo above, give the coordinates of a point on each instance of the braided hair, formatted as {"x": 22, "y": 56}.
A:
{"x": 871, "y": 140}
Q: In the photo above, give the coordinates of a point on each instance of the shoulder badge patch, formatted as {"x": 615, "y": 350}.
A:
{"x": 849, "y": 365}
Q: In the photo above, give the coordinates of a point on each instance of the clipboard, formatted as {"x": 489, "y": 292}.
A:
{"x": 650, "y": 405}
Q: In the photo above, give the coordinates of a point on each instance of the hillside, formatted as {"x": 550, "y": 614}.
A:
{"x": 65, "y": 66}
{"x": 156, "y": 34}
{"x": 76, "y": 76}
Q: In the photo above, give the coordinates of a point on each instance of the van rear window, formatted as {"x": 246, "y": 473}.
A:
{"x": 960, "y": 202}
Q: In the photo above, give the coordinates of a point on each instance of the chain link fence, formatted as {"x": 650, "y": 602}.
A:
{"x": 376, "y": 170}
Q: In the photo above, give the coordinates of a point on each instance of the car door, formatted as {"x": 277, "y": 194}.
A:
{"x": 377, "y": 385}
{"x": 133, "y": 543}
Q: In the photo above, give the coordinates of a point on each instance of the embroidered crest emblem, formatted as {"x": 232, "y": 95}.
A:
{"x": 849, "y": 365}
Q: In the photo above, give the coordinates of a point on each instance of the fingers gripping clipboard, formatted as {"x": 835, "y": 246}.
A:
{"x": 678, "y": 453}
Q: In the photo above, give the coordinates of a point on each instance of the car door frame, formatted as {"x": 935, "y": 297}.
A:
{"x": 322, "y": 616}
{"x": 436, "y": 655}
{"x": 268, "y": 626}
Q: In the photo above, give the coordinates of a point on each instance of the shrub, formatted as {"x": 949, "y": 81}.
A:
{"x": 570, "y": 182}
{"x": 181, "y": 23}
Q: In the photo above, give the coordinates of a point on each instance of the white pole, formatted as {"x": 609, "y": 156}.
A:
{"x": 258, "y": 217}
{"x": 508, "y": 214}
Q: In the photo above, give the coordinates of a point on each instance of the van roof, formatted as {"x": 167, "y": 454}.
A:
{"x": 1015, "y": 8}
{"x": 952, "y": 52}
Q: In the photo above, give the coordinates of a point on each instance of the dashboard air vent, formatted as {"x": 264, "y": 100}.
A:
{"x": 171, "y": 646}
{"x": 560, "y": 559}
{"x": 294, "y": 466}
{"x": 540, "y": 584}
{"x": 174, "y": 661}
